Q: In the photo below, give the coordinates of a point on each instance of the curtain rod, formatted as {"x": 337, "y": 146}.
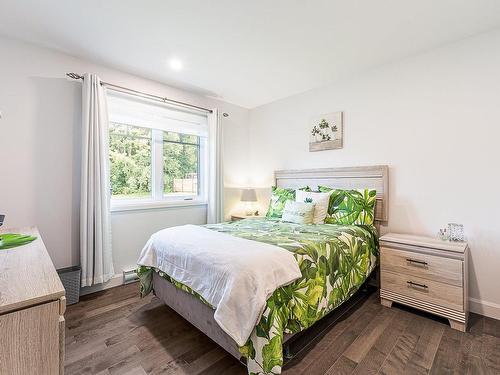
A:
{"x": 145, "y": 95}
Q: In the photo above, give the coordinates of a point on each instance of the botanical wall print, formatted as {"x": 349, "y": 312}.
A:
{"x": 327, "y": 132}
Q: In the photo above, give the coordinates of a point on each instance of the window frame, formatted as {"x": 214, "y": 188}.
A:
{"x": 158, "y": 199}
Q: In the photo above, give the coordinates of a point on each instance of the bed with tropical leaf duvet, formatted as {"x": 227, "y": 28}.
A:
{"x": 334, "y": 261}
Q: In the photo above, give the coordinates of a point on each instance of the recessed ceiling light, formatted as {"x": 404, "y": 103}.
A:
{"x": 175, "y": 64}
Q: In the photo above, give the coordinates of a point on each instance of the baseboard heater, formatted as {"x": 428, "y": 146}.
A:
{"x": 130, "y": 276}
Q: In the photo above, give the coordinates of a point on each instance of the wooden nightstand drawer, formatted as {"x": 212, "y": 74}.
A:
{"x": 431, "y": 267}
{"x": 426, "y": 290}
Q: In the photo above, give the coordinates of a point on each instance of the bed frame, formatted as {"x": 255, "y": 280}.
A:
{"x": 202, "y": 316}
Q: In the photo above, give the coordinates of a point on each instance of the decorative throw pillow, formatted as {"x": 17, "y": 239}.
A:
{"x": 298, "y": 212}
{"x": 320, "y": 200}
{"x": 350, "y": 207}
{"x": 277, "y": 202}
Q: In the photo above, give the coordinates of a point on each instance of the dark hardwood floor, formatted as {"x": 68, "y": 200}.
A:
{"x": 116, "y": 332}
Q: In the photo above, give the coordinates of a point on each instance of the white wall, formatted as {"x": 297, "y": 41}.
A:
{"x": 435, "y": 120}
{"x": 40, "y": 152}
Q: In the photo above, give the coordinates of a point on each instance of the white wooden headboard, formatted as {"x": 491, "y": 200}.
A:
{"x": 372, "y": 177}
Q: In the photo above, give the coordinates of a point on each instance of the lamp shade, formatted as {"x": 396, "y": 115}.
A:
{"x": 248, "y": 195}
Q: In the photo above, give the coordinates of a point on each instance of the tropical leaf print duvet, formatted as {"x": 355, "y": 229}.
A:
{"x": 334, "y": 261}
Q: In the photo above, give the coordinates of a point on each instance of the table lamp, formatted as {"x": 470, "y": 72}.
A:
{"x": 249, "y": 196}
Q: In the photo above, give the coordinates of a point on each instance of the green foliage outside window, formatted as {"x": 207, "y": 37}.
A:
{"x": 131, "y": 151}
{"x": 130, "y": 161}
{"x": 180, "y": 163}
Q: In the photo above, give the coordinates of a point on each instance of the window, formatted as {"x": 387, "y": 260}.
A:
{"x": 181, "y": 154}
{"x": 130, "y": 155}
{"x": 157, "y": 154}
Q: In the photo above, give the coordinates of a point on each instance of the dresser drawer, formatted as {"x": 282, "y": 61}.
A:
{"x": 429, "y": 267}
{"x": 426, "y": 290}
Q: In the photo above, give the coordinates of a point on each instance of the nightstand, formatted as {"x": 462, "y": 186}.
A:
{"x": 425, "y": 273}
{"x": 236, "y": 217}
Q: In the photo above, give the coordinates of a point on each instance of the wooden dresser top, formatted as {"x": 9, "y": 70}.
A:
{"x": 429, "y": 242}
{"x": 27, "y": 274}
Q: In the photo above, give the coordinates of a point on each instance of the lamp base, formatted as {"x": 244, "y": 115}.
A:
{"x": 249, "y": 209}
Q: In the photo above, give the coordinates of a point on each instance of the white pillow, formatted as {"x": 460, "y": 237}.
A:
{"x": 320, "y": 200}
{"x": 298, "y": 212}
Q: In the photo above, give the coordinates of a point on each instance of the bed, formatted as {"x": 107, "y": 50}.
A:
{"x": 334, "y": 261}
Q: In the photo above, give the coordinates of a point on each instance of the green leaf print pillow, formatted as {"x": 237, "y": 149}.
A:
{"x": 350, "y": 207}
{"x": 279, "y": 196}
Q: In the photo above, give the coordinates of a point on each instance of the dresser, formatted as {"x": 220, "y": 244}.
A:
{"x": 32, "y": 306}
{"x": 425, "y": 273}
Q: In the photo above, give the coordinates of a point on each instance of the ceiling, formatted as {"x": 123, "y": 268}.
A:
{"x": 246, "y": 52}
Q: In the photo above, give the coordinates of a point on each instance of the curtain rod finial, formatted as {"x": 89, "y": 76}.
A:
{"x": 74, "y": 76}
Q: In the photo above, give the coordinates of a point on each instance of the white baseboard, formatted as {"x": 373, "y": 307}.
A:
{"x": 485, "y": 308}
{"x": 116, "y": 280}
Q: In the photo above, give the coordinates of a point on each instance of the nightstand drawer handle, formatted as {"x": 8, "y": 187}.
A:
{"x": 416, "y": 261}
{"x": 411, "y": 283}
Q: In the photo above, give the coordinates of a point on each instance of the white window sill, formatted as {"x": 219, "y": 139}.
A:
{"x": 117, "y": 206}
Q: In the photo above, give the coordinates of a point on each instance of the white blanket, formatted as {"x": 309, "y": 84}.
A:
{"x": 234, "y": 275}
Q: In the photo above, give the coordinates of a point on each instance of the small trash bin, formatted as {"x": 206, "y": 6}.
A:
{"x": 70, "y": 278}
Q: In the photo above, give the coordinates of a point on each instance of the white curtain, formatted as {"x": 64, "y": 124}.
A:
{"x": 95, "y": 221}
{"x": 215, "y": 209}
